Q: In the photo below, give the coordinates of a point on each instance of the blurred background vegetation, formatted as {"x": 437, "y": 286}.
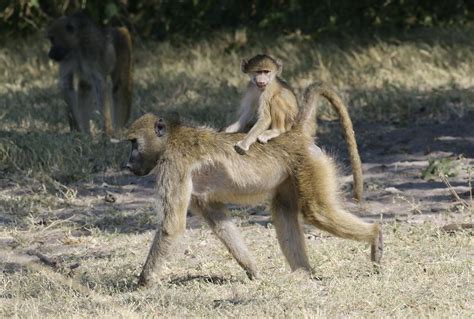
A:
{"x": 161, "y": 18}
{"x": 399, "y": 62}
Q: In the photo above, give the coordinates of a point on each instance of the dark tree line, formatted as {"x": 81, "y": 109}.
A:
{"x": 159, "y": 18}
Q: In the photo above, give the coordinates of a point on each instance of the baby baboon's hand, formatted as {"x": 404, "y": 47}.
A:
{"x": 241, "y": 148}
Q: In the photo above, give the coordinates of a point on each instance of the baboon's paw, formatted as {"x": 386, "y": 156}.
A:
{"x": 252, "y": 274}
{"x": 142, "y": 282}
{"x": 376, "y": 250}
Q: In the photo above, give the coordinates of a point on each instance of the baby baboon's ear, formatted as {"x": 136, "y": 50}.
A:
{"x": 279, "y": 64}
{"x": 160, "y": 128}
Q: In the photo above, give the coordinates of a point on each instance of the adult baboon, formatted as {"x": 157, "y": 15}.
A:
{"x": 95, "y": 65}
{"x": 197, "y": 168}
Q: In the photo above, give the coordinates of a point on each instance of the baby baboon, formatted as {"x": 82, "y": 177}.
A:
{"x": 269, "y": 97}
{"x": 198, "y": 169}
{"x": 95, "y": 64}
{"x": 276, "y": 107}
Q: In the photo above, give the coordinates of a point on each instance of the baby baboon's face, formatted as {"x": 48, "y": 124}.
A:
{"x": 262, "y": 69}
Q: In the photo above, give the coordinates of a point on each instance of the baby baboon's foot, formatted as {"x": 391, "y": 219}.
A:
{"x": 241, "y": 148}
{"x": 263, "y": 139}
{"x": 376, "y": 250}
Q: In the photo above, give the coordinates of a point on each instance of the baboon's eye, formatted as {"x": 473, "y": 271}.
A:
{"x": 134, "y": 142}
{"x": 69, "y": 28}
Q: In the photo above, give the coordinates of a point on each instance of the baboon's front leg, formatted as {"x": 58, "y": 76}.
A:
{"x": 216, "y": 215}
{"x": 76, "y": 122}
{"x": 103, "y": 93}
{"x": 85, "y": 100}
{"x": 159, "y": 249}
{"x": 172, "y": 205}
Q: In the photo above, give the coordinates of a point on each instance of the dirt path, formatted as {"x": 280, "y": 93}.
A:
{"x": 395, "y": 160}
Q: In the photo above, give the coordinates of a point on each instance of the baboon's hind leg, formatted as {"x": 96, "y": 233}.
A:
{"x": 288, "y": 228}
{"x": 376, "y": 249}
{"x": 320, "y": 207}
{"x": 122, "y": 78}
{"x": 121, "y": 93}
{"x": 216, "y": 215}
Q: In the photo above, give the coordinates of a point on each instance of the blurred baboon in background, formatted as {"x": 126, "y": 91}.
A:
{"x": 95, "y": 70}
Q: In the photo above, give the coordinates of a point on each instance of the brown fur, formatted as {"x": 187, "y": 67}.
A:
{"x": 277, "y": 108}
{"x": 89, "y": 58}
{"x": 275, "y": 103}
{"x": 198, "y": 169}
{"x": 308, "y": 116}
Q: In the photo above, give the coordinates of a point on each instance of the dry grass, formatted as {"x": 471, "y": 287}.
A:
{"x": 425, "y": 273}
{"x": 412, "y": 78}
{"x": 47, "y": 174}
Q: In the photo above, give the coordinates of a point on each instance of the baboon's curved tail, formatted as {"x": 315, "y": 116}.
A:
{"x": 307, "y": 121}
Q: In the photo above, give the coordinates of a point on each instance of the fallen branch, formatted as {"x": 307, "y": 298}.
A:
{"x": 53, "y": 263}
{"x": 451, "y": 228}
{"x": 444, "y": 178}
{"x": 43, "y": 258}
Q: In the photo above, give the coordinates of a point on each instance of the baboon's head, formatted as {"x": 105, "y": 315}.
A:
{"x": 63, "y": 33}
{"x": 262, "y": 69}
{"x": 148, "y": 135}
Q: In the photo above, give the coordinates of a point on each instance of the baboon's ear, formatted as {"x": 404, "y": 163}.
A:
{"x": 243, "y": 65}
{"x": 279, "y": 64}
{"x": 160, "y": 128}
